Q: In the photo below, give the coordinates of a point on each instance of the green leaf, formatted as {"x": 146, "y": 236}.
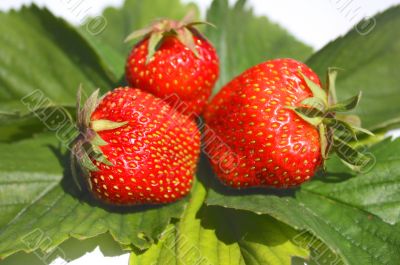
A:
{"x": 41, "y": 52}
{"x": 114, "y": 61}
{"x": 209, "y": 235}
{"x": 19, "y": 124}
{"x": 121, "y": 22}
{"x": 43, "y": 60}
{"x": 243, "y": 40}
{"x": 356, "y": 215}
{"x": 375, "y": 191}
{"x": 38, "y": 196}
{"x": 370, "y": 63}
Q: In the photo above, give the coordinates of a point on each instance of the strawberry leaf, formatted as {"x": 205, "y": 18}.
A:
{"x": 209, "y": 235}
{"x": 369, "y": 58}
{"x": 356, "y": 214}
{"x": 44, "y": 60}
{"x": 41, "y": 196}
{"x": 62, "y": 60}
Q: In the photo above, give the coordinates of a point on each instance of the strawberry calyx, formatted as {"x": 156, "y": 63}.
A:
{"x": 86, "y": 146}
{"x": 336, "y": 130}
{"x": 161, "y": 28}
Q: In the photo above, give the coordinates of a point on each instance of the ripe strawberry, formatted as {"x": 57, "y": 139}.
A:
{"x": 174, "y": 62}
{"x": 271, "y": 125}
{"x": 136, "y": 149}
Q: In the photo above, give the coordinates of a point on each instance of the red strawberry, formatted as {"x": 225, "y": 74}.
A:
{"x": 174, "y": 62}
{"x": 253, "y": 136}
{"x": 140, "y": 150}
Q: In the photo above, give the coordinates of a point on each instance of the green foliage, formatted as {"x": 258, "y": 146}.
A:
{"x": 210, "y": 235}
{"x": 340, "y": 216}
{"x": 40, "y": 201}
{"x": 39, "y": 51}
{"x": 369, "y": 64}
{"x": 348, "y": 212}
{"x": 46, "y": 59}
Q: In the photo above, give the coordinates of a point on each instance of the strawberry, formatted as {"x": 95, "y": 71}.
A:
{"x": 272, "y": 126}
{"x": 136, "y": 149}
{"x": 175, "y": 62}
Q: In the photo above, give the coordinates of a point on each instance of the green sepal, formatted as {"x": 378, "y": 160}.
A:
{"x": 343, "y": 129}
{"x": 154, "y": 42}
{"x": 167, "y": 27}
{"x": 86, "y": 147}
{"x": 323, "y": 141}
{"x": 330, "y": 89}
{"x": 97, "y": 140}
{"x": 349, "y": 118}
{"x": 309, "y": 112}
{"x": 104, "y": 125}
{"x": 310, "y": 116}
{"x": 84, "y": 160}
{"x": 84, "y": 113}
{"x": 346, "y": 105}
{"x": 354, "y": 128}
{"x": 316, "y": 90}
{"x": 314, "y": 102}
{"x": 359, "y": 129}
{"x": 313, "y": 121}
{"x": 350, "y": 156}
{"x": 138, "y": 33}
{"x": 195, "y": 23}
{"x": 185, "y": 36}
{"x": 104, "y": 160}
{"x": 90, "y": 105}
{"x": 99, "y": 156}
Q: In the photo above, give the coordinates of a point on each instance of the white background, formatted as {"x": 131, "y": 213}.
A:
{"x": 315, "y": 22}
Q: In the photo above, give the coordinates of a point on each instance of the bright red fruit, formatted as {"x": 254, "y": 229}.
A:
{"x": 141, "y": 150}
{"x": 254, "y": 137}
{"x": 174, "y": 62}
